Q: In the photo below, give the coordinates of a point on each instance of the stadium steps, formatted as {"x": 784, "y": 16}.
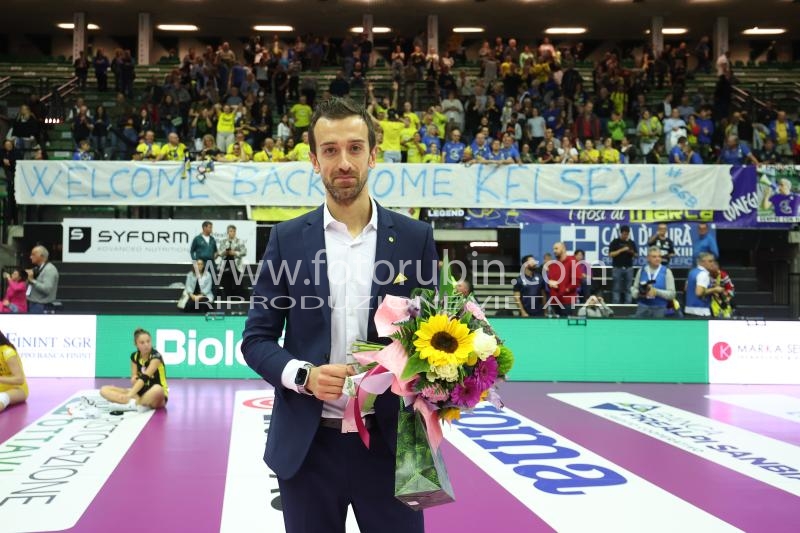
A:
{"x": 110, "y": 288}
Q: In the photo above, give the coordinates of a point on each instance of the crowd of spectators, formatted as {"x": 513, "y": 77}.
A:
{"x": 526, "y": 104}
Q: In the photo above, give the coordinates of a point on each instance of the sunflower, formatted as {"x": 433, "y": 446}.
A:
{"x": 442, "y": 341}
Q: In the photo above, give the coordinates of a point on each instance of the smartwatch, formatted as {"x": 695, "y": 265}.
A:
{"x": 301, "y": 378}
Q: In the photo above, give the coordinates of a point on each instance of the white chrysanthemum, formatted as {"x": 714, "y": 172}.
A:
{"x": 484, "y": 345}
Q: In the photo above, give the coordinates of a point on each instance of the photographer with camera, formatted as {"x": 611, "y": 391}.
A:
{"x": 721, "y": 303}
{"x": 232, "y": 251}
{"x": 622, "y": 250}
{"x": 653, "y": 287}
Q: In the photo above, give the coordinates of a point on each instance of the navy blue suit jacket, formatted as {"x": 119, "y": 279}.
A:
{"x": 277, "y": 300}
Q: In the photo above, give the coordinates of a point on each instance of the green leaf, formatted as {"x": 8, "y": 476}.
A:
{"x": 445, "y": 279}
{"x": 415, "y": 366}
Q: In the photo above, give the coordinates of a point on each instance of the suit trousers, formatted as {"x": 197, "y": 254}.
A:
{"x": 339, "y": 470}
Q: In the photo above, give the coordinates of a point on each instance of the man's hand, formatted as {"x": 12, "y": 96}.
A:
{"x": 651, "y": 293}
{"x": 325, "y": 382}
{"x": 553, "y": 284}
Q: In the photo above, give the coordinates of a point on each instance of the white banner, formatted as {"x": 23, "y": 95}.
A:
{"x": 758, "y": 457}
{"x": 53, "y": 469}
{"x": 754, "y": 352}
{"x": 777, "y": 405}
{"x": 410, "y": 185}
{"x": 50, "y": 346}
{"x": 565, "y": 483}
{"x": 251, "y": 488}
{"x": 119, "y": 240}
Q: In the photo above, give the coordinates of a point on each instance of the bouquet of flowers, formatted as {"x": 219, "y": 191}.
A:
{"x": 444, "y": 358}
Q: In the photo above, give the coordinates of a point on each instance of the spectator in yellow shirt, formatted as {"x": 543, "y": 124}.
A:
{"x": 609, "y": 155}
{"x": 240, "y": 139}
{"x": 416, "y": 149}
{"x": 408, "y": 112}
{"x": 301, "y": 113}
{"x": 589, "y": 154}
{"x": 226, "y": 126}
{"x": 433, "y": 156}
{"x": 439, "y": 119}
{"x": 174, "y": 150}
{"x": 301, "y": 150}
{"x": 406, "y": 134}
{"x": 379, "y": 146}
{"x": 148, "y": 149}
{"x": 237, "y": 155}
{"x": 505, "y": 67}
{"x": 269, "y": 153}
{"x": 392, "y": 131}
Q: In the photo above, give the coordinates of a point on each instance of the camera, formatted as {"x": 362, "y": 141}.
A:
{"x": 644, "y": 287}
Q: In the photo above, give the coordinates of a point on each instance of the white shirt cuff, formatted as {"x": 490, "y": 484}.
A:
{"x": 290, "y": 371}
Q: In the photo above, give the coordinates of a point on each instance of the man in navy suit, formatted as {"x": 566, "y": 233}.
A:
{"x": 323, "y": 276}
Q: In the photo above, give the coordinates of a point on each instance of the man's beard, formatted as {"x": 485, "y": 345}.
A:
{"x": 345, "y": 196}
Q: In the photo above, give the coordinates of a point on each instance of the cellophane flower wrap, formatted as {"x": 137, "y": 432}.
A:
{"x": 444, "y": 358}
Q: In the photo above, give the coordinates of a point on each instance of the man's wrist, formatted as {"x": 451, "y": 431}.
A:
{"x": 302, "y": 378}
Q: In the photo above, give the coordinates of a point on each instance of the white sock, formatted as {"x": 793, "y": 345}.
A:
{"x": 5, "y": 399}
{"x": 131, "y": 404}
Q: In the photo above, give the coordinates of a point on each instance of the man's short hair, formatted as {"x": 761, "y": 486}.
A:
{"x": 206, "y": 223}
{"x": 525, "y": 259}
{"x": 654, "y": 250}
{"x": 231, "y": 226}
{"x": 682, "y": 139}
{"x": 579, "y": 251}
{"x": 42, "y": 251}
{"x": 335, "y": 108}
{"x": 702, "y": 256}
{"x": 624, "y": 229}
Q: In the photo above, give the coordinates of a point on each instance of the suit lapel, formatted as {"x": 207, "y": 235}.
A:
{"x": 314, "y": 241}
{"x": 384, "y": 252}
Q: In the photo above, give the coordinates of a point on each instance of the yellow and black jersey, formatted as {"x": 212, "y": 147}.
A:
{"x": 8, "y": 352}
{"x": 159, "y": 378}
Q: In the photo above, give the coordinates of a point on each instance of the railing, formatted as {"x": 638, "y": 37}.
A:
{"x": 744, "y": 100}
{"x": 62, "y": 90}
{"x": 5, "y": 86}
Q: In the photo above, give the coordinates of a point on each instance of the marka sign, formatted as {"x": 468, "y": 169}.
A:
{"x": 763, "y": 353}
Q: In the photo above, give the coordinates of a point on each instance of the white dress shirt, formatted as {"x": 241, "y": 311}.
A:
{"x": 350, "y": 262}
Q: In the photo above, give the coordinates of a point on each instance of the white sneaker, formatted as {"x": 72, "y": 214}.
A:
{"x": 83, "y": 408}
{"x": 143, "y": 408}
{"x": 130, "y": 406}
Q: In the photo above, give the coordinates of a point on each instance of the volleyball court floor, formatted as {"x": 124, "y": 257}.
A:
{"x": 562, "y": 457}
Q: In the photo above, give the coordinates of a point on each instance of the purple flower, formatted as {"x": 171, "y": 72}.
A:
{"x": 467, "y": 394}
{"x": 486, "y": 373}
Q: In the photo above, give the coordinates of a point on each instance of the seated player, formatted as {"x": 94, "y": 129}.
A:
{"x": 13, "y": 387}
{"x": 148, "y": 378}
